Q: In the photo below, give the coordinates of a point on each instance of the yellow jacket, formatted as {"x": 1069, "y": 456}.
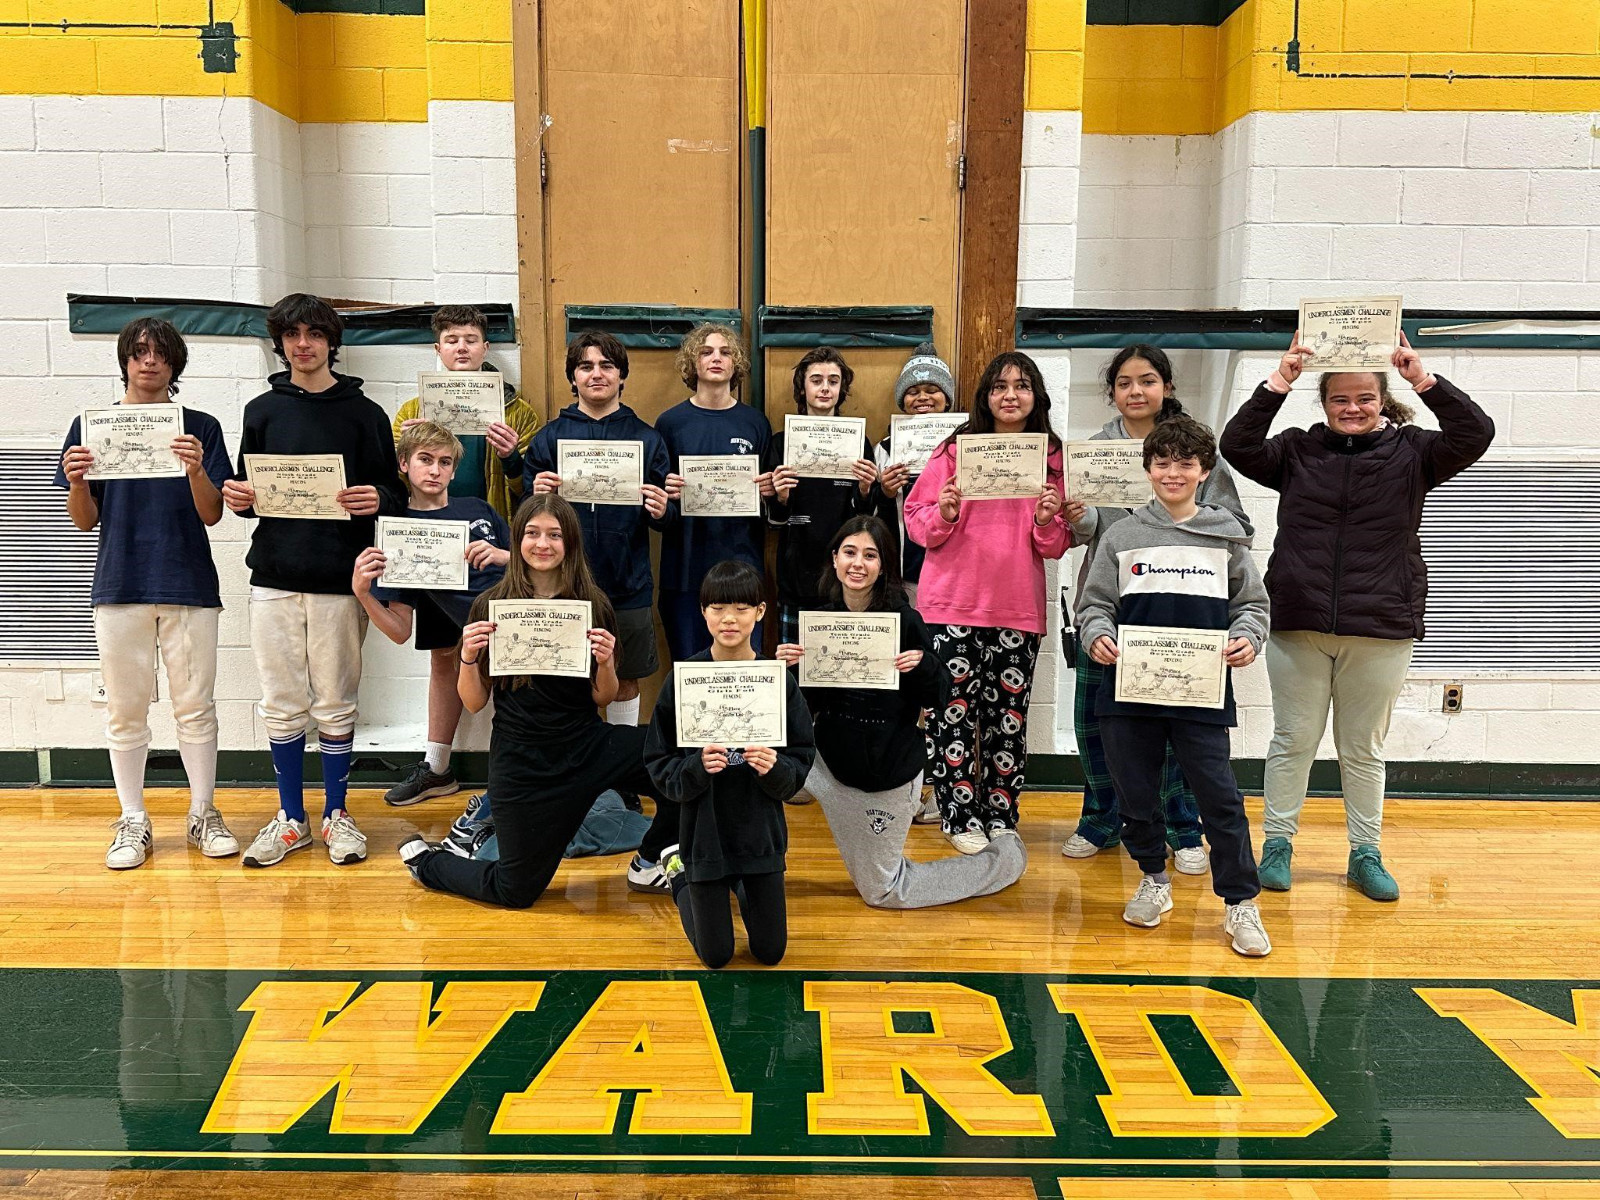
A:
{"x": 504, "y": 492}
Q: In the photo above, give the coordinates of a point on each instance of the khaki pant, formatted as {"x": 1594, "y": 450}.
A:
{"x": 1362, "y": 678}
{"x": 128, "y": 635}
{"x": 308, "y": 654}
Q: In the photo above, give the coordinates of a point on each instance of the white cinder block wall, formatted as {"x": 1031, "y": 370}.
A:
{"x": 226, "y": 199}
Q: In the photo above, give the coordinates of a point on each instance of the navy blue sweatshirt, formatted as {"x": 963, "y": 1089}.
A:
{"x": 693, "y": 545}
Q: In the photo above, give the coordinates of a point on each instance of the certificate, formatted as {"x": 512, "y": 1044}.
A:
{"x": 1001, "y": 466}
{"x": 1358, "y": 334}
{"x": 540, "y": 637}
{"x": 424, "y": 554}
{"x": 132, "y": 441}
{"x": 850, "y": 650}
{"x": 1108, "y": 473}
{"x": 297, "y": 487}
{"x": 1181, "y": 667}
{"x": 462, "y": 401}
{"x": 913, "y": 439}
{"x": 733, "y": 704}
{"x": 823, "y": 447}
{"x": 720, "y": 485}
{"x": 600, "y": 472}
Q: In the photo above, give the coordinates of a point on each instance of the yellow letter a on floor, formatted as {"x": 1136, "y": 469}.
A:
{"x": 1149, "y": 1098}
{"x": 390, "y": 1064}
{"x": 863, "y": 1056}
{"x": 1559, "y": 1061}
{"x": 650, "y": 1036}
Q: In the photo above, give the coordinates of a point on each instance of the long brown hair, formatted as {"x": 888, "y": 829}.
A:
{"x": 577, "y": 580}
{"x": 888, "y": 593}
{"x": 980, "y": 417}
{"x": 1398, "y": 413}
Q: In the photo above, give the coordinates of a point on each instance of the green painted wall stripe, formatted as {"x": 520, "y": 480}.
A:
{"x": 385, "y": 8}
{"x": 399, "y": 325}
{"x": 1161, "y": 12}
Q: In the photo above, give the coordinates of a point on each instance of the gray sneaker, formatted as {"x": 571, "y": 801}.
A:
{"x": 346, "y": 843}
{"x": 1243, "y": 925}
{"x": 1150, "y": 903}
{"x": 278, "y": 838}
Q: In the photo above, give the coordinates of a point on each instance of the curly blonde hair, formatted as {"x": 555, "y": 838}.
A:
{"x": 694, "y": 341}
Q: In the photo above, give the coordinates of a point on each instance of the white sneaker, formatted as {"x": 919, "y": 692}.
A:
{"x": 928, "y": 814}
{"x": 209, "y": 834}
{"x": 278, "y": 838}
{"x": 1243, "y": 925}
{"x": 345, "y": 843}
{"x": 969, "y": 841}
{"x": 1149, "y": 904}
{"x": 1078, "y": 846}
{"x": 131, "y": 842}
{"x": 1192, "y": 860}
{"x": 648, "y": 877}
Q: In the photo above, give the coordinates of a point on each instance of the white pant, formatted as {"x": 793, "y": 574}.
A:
{"x": 1362, "y": 677}
{"x": 128, "y": 635}
{"x": 308, "y": 654}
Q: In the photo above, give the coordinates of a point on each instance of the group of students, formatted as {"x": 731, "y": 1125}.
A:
{"x": 967, "y": 579}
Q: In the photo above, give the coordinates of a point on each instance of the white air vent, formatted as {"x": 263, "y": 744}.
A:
{"x": 46, "y": 565}
{"x": 1513, "y": 553}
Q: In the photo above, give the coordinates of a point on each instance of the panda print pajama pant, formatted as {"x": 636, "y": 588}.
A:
{"x": 978, "y": 746}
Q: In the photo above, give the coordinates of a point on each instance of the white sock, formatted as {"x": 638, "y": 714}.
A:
{"x": 200, "y": 764}
{"x": 623, "y": 712}
{"x": 438, "y": 756}
{"x": 127, "y": 772}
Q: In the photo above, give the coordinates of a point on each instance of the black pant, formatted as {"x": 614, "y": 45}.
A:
{"x": 1136, "y": 748}
{"x": 707, "y": 917}
{"x": 663, "y": 831}
{"x": 536, "y": 813}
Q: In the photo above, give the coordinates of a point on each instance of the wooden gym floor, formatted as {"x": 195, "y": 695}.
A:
{"x": 169, "y": 1026}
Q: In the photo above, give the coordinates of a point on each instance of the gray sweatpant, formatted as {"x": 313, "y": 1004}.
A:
{"x": 870, "y": 830}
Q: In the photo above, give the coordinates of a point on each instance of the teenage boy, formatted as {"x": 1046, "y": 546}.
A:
{"x": 306, "y": 626}
{"x": 712, "y": 361}
{"x": 489, "y": 468}
{"x": 808, "y": 512}
{"x": 156, "y": 585}
{"x": 1176, "y": 563}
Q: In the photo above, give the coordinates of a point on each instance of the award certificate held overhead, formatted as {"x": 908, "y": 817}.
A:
{"x": 297, "y": 487}
{"x": 464, "y": 402}
{"x": 595, "y": 472}
{"x": 1182, "y": 667}
{"x": 1109, "y": 474}
{"x": 1001, "y": 466}
{"x": 540, "y": 637}
{"x": 720, "y": 485}
{"x": 132, "y": 441}
{"x": 424, "y": 554}
{"x": 823, "y": 447}
{"x": 914, "y": 438}
{"x": 849, "y": 650}
{"x": 1345, "y": 335}
{"x": 734, "y": 704}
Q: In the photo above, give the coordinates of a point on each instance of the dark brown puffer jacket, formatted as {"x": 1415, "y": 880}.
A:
{"x": 1347, "y": 558}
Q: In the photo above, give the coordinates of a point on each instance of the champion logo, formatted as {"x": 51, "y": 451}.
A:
{"x": 1140, "y": 568}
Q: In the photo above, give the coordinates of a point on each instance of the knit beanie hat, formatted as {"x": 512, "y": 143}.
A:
{"x": 925, "y": 366}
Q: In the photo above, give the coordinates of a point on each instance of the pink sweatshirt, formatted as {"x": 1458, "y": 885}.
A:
{"x": 987, "y": 568}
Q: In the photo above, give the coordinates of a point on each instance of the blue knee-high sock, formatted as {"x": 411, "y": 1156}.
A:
{"x": 335, "y": 770}
{"x": 289, "y": 765}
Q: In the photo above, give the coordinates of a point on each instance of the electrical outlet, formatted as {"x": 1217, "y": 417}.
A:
{"x": 1454, "y": 697}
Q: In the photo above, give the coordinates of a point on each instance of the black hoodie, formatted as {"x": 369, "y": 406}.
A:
{"x": 319, "y": 556}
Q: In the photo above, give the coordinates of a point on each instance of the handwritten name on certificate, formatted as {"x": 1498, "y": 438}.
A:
{"x": 540, "y": 637}
{"x": 1001, "y": 466}
{"x": 1109, "y": 473}
{"x": 913, "y": 438}
{"x": 462, "y": 401}
{"x": 823, "y": 447}
{"x": 600, "y": 472}
{"x": 849, "y": 650}
{"x": 1181, "y": 667}
{"x": 735, "y": 704}
{"x": 297, "y": 487}
{"x": 1358, "y": 334}
{"x": 132, "y": 441}
{"x": 424, "y": 554}
{"x": 720, "y": 485}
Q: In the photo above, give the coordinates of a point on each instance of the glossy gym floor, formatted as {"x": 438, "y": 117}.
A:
{"x": 172, "y": 1030}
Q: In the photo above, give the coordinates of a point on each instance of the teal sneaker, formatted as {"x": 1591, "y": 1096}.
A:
{"x": 1367, "y": 875}
{"x": 1274, "y": 867}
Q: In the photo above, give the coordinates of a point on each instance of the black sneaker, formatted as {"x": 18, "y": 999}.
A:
{"x": 420, "y": 784}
